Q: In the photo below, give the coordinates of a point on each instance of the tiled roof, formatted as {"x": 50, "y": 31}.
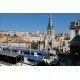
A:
{"x": 16, "y": 41}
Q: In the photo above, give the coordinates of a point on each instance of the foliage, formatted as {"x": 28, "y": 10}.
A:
{"x": 34, "y": 45}
{"x": 14, "y": 36}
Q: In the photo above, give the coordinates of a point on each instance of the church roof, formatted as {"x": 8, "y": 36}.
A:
{"x": 50, "y": 24}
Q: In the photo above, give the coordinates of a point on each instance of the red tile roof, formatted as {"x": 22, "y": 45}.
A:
{"x": 16, "y": 41}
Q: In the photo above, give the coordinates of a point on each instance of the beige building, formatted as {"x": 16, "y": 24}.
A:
{"x": 17, "y": 43}
{"x": 11, "y": 33}
{"x": 62, "y": 42}
{"x": 20, "y": 33}
{"x": 36, "y": 37}
{"x": 66, "y": 46}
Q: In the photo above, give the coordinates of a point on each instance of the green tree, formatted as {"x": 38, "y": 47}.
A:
{"x": 14, "y": 36}
{"x": 34, "y": 45}
{"x": 8, "y": 35}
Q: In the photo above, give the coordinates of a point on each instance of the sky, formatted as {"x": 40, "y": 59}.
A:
{"x": 33, "y": 22}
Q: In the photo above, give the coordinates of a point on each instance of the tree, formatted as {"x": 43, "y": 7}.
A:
{"x": 8, "y": 35}
{"x": 34, "y": 45}
{"x": 14, "y": 36}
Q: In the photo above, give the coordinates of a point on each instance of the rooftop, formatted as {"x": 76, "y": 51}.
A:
{"x": 11, "y": 54}
{"x": 16, "y": 40}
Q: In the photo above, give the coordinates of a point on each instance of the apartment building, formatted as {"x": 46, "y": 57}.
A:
{"x": 17, "y": 43}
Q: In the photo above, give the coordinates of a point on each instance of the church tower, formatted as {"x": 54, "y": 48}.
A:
{"x": 50, "y": 36}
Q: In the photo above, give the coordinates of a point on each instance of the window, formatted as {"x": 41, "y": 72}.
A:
{"x": 31, "y": 60}
{"x": 39, "y": 54}
{"x": 77, "y": 32}
{"x": 50, "y": 32}
{"x": 76, "y": 24}
{"x": 32, "y": 53}
{"x": 14, "y": 50}
{"x": 47, "y": 32}
{"x": 26, "y": 52}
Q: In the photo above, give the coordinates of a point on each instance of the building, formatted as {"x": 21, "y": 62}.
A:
{"x": 74, "y": 28}
{"x": 50, "y": 36}
{"x": 37, "y": 37}
{"x": 20, "y": 33}
{"x": 66, "y": 44}
{"x": 16, "y": 42}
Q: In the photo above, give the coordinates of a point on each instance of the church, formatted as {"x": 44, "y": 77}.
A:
{"x": 50, "y": 35}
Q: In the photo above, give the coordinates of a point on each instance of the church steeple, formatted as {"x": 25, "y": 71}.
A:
{"x": 49, "y": 40}
{"x": 50, "y": 24}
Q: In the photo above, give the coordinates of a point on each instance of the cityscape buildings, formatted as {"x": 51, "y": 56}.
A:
{"x": 59, "y": 46}
{"x": 48, "y": 39}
